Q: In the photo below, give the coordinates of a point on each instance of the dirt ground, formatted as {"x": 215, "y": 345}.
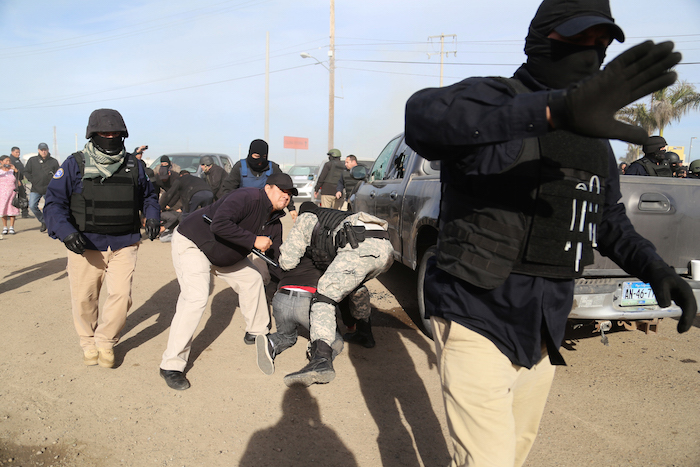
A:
{"x": 635, "y": 402}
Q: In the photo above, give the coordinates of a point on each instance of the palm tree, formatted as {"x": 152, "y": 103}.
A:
{"x": 667, "y": 105}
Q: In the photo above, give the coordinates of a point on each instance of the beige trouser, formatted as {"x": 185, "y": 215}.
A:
{"x": 193, "y": 271}
{"x": 330, "y": 201}
{"x": 493, "y": 407}
{"x": 86, "y": 273}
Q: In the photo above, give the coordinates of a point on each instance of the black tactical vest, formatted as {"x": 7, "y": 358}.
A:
{"x": 323, "y": 247}
{"x": 537, "y": 217}
{"x": 108, "y": 206}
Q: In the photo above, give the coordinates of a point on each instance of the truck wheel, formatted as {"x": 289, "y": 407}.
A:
{"x": 423, "y": 322}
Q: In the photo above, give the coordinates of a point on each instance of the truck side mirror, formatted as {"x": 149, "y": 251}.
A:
{"x": 359, "y": 172}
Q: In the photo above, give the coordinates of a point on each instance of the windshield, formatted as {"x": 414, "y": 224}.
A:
{"x": 301, "y": 170}
{"x": 189, "y": 163}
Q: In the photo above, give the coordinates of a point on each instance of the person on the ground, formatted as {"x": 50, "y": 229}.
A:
{"x": 39, "y": 171}
{"x": 327, "y": 182}
{"x": 9, "y": 175}
{"x": 214, "y": 175}
{"x": 192, "y": 192}
{"x": 218, "y": 240}
{"x": 654, "y": 161}
{"x": 351, "y": 249}
{"x": 17, "y": 162}
{"x": 94, "y": 205}
{"x": 529, "y": 188}
{"x": 253, "y": 171}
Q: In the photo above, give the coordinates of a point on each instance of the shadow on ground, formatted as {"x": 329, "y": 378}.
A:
{"x": 299, "y": 438}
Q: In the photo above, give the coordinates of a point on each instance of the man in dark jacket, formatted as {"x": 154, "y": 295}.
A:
{"x": 254, "y": 170}
{"x": 94, "y": 205}
{"x": 327, "y": 181}
{"x": 39, "y": 171}
{"x": 213, "y": 175}
{"x": 529, "y": 187}
{"x": 165, "y": 176}
{"x": 217, "y": 240}
{"x": 347, "y": 183}
{"x": 654, "y": 162}
{"x": 191, "y": 191}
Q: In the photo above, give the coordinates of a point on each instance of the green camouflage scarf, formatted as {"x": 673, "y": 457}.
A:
{"x": 99, "y": 164}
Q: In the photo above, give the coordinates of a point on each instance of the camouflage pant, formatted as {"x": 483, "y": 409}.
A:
{"x": 349, "y": 269}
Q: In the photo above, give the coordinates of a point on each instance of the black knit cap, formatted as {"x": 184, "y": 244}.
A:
{"x": 258, "y": 146}
{"x": 165, "y": 159}
{"x": 653, "y": 144}
{"x": 570, "y": 17}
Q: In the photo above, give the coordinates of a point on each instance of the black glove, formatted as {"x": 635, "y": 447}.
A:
{"x": 75, "y": 242}
{"x": 152, "y": 228}
{"x": 667, "y": 286}
{"x": 588, "y": 107}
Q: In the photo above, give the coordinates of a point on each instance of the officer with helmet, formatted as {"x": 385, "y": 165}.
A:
{"x": 694, "y": 169}
{"x": 93, "y": 205}
{"x": 654, "y": 161}
{"x": 674, "y": 163}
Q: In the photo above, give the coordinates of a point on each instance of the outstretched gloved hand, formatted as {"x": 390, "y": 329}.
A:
{"x": 75, "y": 242}
{"x": 152, "y": 228}
{"x": 588, "y": 107}
{"x": 667, "y": 286}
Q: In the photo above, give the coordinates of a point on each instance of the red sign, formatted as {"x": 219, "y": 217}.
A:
{"x": 292, "y": 142}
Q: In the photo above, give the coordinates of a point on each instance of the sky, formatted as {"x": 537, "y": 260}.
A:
{"x": 190, "y": 76}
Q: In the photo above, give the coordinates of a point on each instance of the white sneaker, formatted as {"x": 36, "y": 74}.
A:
{"x": 4, "y": 230}
{"x": 11, "y": 231}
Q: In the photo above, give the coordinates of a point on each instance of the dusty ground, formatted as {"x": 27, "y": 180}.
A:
{"x": 635, "y": 402}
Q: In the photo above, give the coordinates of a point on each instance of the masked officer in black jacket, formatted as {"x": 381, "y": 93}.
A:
{"x": 93, "y": 205}
{"x": 529, "y": 188}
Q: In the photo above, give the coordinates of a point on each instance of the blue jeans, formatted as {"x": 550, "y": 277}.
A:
{"x": 34, "y": 199}
{"x": 291, "y": 311}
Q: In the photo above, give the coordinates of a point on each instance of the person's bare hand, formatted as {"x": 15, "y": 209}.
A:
{"x": 262, "y": 243}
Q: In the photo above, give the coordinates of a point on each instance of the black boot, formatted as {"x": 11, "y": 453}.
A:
{"x": 318, "y": 370}
{"x": 362, "y": 335}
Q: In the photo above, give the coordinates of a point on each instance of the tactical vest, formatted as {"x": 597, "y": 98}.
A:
{"x": 661, "y": 170}
{"x": 537, "y": 217}
{"x": 248, "y": 179}
{"x": 324, "y": 240}
{"x": 108, "y": 206}
{"x": 335, "y": 172}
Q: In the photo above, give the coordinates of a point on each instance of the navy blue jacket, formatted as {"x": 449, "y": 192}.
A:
{"x": 476, "y": 127}
{"x": 66, "y": 181}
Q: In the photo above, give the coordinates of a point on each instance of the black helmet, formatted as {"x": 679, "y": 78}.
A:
{"x": 672, "y": 158}
{"x": 105, "y": 120}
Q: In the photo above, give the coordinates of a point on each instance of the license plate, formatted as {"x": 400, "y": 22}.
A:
{"x": 637, "y": 294}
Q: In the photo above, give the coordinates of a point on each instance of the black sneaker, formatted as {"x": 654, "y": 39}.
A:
{"x": 249, "y": 338}
{"x": 175, "y": 379}
{"x": 266, "y": 354}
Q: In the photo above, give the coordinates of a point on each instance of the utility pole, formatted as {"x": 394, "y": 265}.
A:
{"x": 55, "y": 144}
{"x": 331, "y": 84}
{"x": 444, "y": 53}
{"x": 267, "y": 89}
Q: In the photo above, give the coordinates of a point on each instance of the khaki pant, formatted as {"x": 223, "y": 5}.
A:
{"x": 330, "y": 201}
{"x": 86, "y": 273}
{"x": 493, "y": 407}
{"x": 194, "y": 271}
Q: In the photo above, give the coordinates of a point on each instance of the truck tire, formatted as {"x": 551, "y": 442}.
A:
{"x": 423, "y": 322}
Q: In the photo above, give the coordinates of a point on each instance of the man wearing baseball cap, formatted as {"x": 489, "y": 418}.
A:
{"x": 39, "y": 171}
{"x": 217, "y": 239}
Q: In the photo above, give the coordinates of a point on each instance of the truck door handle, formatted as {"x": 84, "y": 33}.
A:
{"x": 393, "y": 195}
{"x": 654, "y": 202}
{"x": 372, "y": 194}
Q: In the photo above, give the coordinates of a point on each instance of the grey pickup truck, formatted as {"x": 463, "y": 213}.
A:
{"x": 404, "y": 189}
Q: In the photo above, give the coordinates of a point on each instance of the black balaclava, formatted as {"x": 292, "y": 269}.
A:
{"x": 258, "y": 146}
{"x": 109, "y": 146}
{"x": 652, "y": 148}
{"x": 558, "y": 64}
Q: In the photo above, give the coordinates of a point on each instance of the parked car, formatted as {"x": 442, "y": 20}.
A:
{"x": 304, "y": 178}
{"x": 404, "y": 189}
{"x": 190, "y": 161}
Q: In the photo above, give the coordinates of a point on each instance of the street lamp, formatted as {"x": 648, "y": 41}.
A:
{"x": 331, "y": 93}
{"x": 690, "y": 148}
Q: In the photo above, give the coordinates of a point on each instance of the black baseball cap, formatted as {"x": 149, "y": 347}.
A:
{"x": 283, "y": 182}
